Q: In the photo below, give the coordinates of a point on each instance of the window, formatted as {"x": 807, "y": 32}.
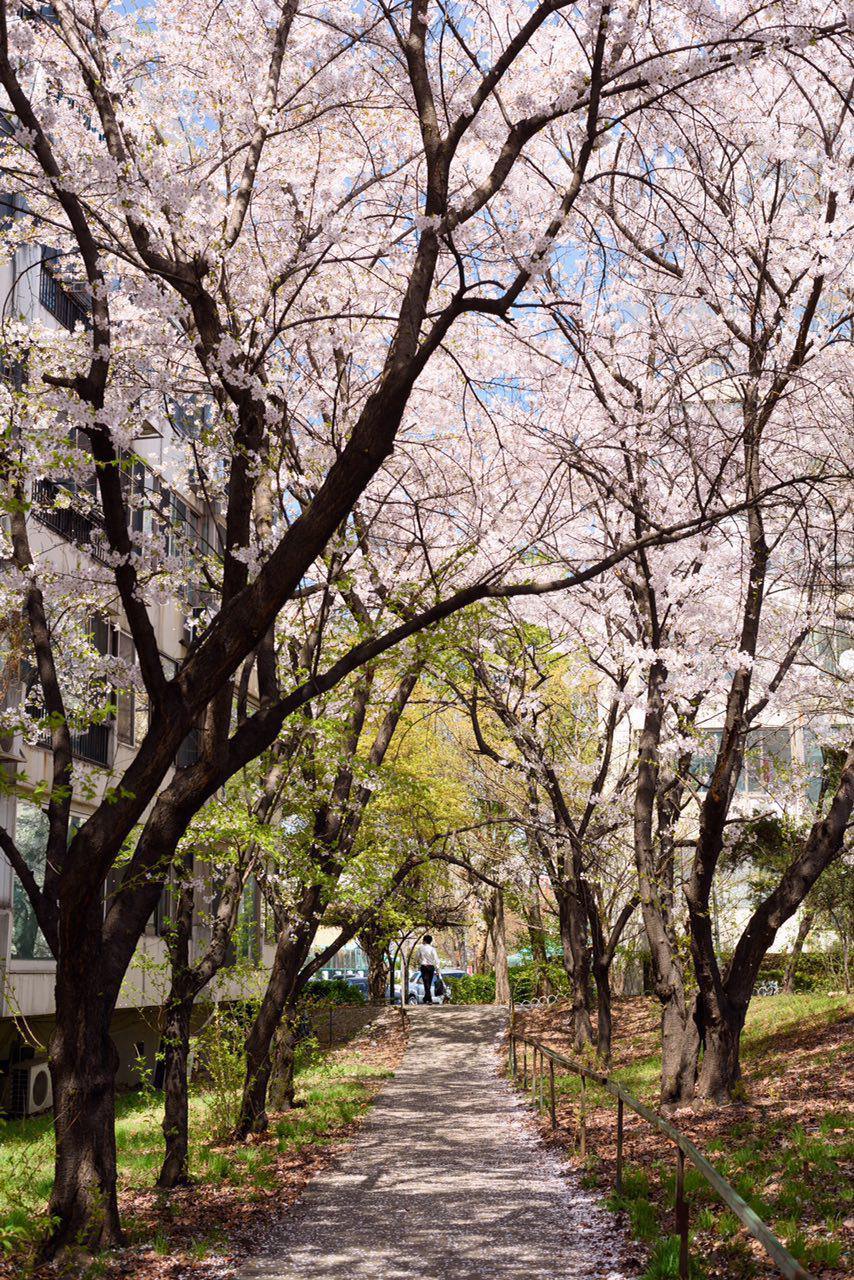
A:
{"x": 178, "y": 530}
{"x": 99, "y": 633}
{"x": 126, "y": 697}
{"x": 767, "y": 759}
{"x": 271, "y": 933}
{"x": 146, "y": 499}
{"x": 31, "y": 830}
{"x": 7, "y": 210}
{"x": 163, "y": 911}
{"x": 703, "y": 760}
{"x": 61, "y": 301}
{"x": 246, "y": 934}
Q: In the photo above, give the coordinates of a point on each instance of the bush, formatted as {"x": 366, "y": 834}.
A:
{"x": 333, "y": 991}
{"x": 221, "y": 1062}
{"x": 526, "y": 979}
{"x": 817, "y": 970}
{"x": 474, "y": 988}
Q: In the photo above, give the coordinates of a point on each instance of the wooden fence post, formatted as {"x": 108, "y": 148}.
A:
{"x": 582, "y": 1115}
{"x": 681, "y": 1214}
{"x": 552, "y": 1092}
{"x": 619, "y": 1184}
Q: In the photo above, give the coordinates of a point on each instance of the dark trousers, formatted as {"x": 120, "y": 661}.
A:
{"x": 427, "y": 972}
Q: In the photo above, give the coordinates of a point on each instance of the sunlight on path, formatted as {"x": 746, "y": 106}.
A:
{"x": 446, "y": 1179}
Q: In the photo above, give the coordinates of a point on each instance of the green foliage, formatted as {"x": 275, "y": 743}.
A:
{"x": 778, "y": 1170}
{"x": 527, "y": 979}
{"x": 332, "y": 991}
{"x": 307, "y": 1053}
{"x": 333, "y": 1094}
{"x": 222, "y": 1060}
{"x": 473, "y": 988}
{"x": 664, "y": 1261}
{"x": 817, "y": 970}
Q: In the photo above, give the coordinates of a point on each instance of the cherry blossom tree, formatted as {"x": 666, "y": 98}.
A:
{"x": 735, "y": 371}
{"x": 289, "y": 214}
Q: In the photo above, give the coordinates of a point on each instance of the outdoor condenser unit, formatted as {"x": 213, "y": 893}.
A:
{"x": 32, "y": 1089}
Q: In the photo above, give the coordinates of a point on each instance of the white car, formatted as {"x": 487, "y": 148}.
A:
{"x": 416, "y": 987}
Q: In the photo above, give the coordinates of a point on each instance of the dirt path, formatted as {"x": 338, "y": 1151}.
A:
{"x": 447, "y": 1179}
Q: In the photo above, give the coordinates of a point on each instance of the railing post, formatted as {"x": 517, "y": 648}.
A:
{"x": 582, "y": 1116}
{"x": 534, "y": 1076}
{"x": 542, "y": 1080}
{"x": 681, "y": 1214}
{"x": 524, "y": 1064}
{"x": 552, "y": 1092}
{"x": 619, "y": 1184}
{"x": 513, "y": 1057}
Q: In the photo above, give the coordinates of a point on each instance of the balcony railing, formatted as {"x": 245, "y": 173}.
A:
{"x": 61, "y": 304}
{"x": 91, "y": 745}
{"x": 188, "y": 752}
{"x": 84, "y": 529}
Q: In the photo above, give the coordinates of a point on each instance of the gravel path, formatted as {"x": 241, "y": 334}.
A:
{"x": 447, "y": 1179}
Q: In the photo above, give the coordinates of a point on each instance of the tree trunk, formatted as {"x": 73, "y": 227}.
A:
{"x": 376, "y": 975}
{"x": 576, "y": 963}
{"x": 604, "y": 1021}
{"x": 720, "y": 1070}
{"x": 680, "y": 1047}
{"x": 83, "y": 1064}
{"x": 603, "y": 958}
{"x": 176, "y": 1037}
{"x": 537, "y": 936}
{"x": 282, "y": 1087}
{"x": 499, "y": 945}
{"x": 482, "y": 961}
{"x": 176, "y": 1106}
{"x": 725, "y": 1009}
{"x": 679, "y": 1031}
{"x": 804, "y": 927}
{"x": 281, "y": 991}
{"x": 392, "y": 985}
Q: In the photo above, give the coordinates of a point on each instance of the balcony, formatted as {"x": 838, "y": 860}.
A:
{"x": 188, "y": 752}
{"x": 84, "y": 529}
{"x": 91, "y": 745}
{"x": 60, "y": 302}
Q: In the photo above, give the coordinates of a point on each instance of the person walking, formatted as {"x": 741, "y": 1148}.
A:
{"x": 428, "y": 961}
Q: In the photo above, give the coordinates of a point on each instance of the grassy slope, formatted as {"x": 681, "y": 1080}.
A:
{"x": 787, "y": 1148}
{"x": 231, "y": 1181}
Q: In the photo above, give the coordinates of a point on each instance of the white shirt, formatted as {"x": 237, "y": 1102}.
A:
{"x": 428, "y": 955}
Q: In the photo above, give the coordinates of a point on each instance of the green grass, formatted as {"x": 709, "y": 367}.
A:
{"x": 333, "y": 1095}
{"x": 790, "y": 1175}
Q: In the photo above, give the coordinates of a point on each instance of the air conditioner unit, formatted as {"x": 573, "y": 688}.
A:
{"x": 32, "y": 1089}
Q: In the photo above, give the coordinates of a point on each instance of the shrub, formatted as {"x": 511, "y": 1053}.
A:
{"x": 474, "y": 988}
{"x": 332, "y": 991}
{"x": 526, "y": 979}
{"x": 221, "y": 1059}
{"x": 816, "y": 971}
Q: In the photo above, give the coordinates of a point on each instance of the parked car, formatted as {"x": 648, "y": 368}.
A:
{"x": 416, "y": 987}
{"x": 451, "y": 975}
{"x": 360, "y": 983}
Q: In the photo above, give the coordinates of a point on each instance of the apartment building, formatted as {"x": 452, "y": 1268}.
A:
{"x": 66, "y": 531}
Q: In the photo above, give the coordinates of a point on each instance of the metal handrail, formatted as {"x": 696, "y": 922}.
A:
{"x": 789, "y": 1266}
